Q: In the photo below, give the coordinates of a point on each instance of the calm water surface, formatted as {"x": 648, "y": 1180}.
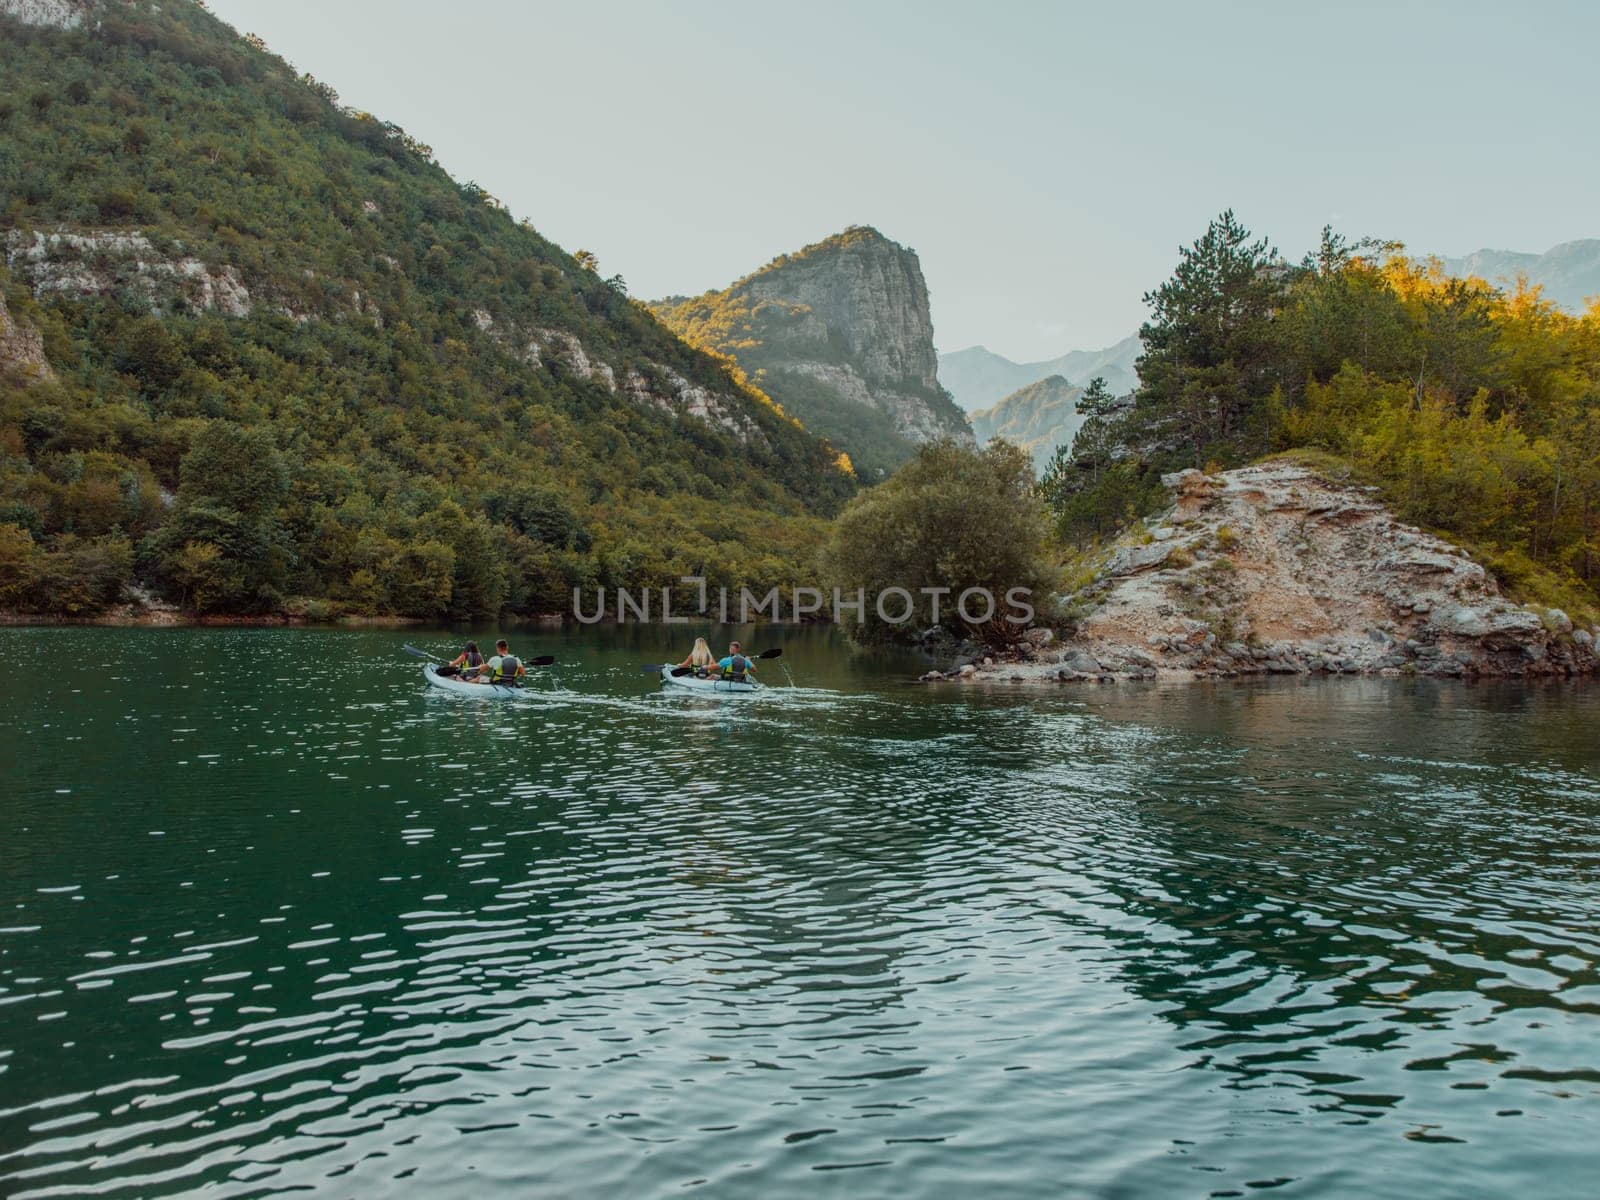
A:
{"x": 274, "y": 917}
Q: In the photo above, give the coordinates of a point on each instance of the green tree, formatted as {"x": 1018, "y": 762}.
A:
{"x": 1208, "y": 346}
{"x": 952, "y": 518}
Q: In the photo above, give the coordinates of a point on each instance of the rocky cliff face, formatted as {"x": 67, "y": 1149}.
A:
{"x": 46, "y": 14}
{"x": 21, "y": 351}
{"x": 839, "y": 334}
{"x": 1038, "y": 418}
{"x": 1276, "y": 569}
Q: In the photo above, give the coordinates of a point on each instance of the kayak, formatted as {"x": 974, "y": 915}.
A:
{"x": 482, "y": 691}
{"x": 713, "y": 686}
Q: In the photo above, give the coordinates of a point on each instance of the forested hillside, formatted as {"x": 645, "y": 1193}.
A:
{"x": 1040, "y": 418}
{"x": 1475, "y": 411}
{"x": 259, "y": 351}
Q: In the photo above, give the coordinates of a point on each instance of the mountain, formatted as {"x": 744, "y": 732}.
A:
{"x": 1038, "y": 418}
{"x": 978, "y": 378}
{"x": 265, "y": 354}
{"x": 1569, "y": 273}
{"x": 839, "y": 334}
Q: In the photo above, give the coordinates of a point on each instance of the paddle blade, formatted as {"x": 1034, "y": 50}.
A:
{"x": 775, "y": 652}
{"x": 544, "y": 660}
{"x": 415, "y": 653}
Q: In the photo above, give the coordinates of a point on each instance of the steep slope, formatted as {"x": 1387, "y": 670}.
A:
{"x": 1038, "y": 418}
{"x": 840, "y": 335}
{"x": 979, "y": 378}
{"x": 219, "y": 260}
{"x": 1569, "y": 273}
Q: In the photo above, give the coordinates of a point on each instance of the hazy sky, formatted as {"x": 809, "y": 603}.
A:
{"x": 1044, "y": 160}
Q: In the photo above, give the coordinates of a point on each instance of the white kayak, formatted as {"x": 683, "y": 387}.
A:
{"x": 712, "y": 686}
{"x": 481, "y": 691}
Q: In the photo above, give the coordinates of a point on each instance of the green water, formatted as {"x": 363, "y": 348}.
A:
{"x": 274, "y": 917}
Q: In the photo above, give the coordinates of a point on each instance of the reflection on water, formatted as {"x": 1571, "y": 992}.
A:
{"x": 273, "y": 917}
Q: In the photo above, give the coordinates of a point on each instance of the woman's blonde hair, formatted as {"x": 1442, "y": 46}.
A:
{"x": 701, "y": 655}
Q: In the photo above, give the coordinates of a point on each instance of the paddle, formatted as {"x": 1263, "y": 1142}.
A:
{"x": 775, "y": 652}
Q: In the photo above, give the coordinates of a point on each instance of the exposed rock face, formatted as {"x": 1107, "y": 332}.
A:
{"x": 1038, "y": 418}
{"x": 848, "y": 316}
{"x": 48, "y": 14}
{"x": 21, "y": 351}
{"x": 85, "y": 263}
{"x": 863, "y": 291}
{"x": 651, "y": 384}
{"x": 92, "y": 262}
{"x": 1275, "y": 569}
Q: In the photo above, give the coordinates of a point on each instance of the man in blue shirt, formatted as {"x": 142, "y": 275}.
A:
{"x": 736, "y": 665}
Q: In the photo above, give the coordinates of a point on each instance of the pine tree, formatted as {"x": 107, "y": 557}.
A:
{"x": 1208, "y": 348}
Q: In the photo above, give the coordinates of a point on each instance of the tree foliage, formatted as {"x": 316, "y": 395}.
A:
{"x": 952, "y": 518}
{"x": 1475, "y": 410}
{"x": 374, "y": 433}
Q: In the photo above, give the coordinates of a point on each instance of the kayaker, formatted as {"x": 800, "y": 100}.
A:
{"x": 504, "y": 667}
{"x": 700, "y": 658}
{"x": 468, "y": 661}
{"x": 736, "y": 665}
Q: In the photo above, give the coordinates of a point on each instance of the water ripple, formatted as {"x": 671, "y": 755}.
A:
{"x": 343, "y": 935}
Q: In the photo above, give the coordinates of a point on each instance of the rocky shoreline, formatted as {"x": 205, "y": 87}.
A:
{"x": 1277, "y": 569}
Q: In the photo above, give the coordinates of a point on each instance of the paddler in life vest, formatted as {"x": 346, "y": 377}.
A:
{"x": 700, "y": 658}
{"x": 504, "y": 667}
{"x": 736, "y": 665}
{"x": 468, "y": 661}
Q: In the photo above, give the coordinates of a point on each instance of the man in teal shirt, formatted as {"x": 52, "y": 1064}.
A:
{"x": 736, "y": 665}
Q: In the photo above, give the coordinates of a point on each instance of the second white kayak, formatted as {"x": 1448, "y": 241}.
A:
{"x": 711, "y": 686}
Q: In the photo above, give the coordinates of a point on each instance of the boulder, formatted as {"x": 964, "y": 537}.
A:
{"x": 1130, "y": 560}
{"x": 1081, "y": 662}
{"x": 1039, "y": 637}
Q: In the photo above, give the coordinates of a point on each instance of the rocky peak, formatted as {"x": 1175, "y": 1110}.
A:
{"x": 839, "y": 333}
{"x": 869, "y": 295}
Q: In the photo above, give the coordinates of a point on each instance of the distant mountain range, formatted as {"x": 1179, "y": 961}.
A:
{"x": 1569, "y": 273}
{"x": 1038, "y": 418}
{"x": 979, "y": 378}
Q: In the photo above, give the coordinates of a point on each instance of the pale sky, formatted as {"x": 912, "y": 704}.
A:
{"x": 1045, "y": 160}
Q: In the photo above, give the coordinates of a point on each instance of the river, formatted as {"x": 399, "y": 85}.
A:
{"x": 275, "y": 917}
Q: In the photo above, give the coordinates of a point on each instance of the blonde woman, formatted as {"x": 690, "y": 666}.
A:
{"x": 700, "y": 658}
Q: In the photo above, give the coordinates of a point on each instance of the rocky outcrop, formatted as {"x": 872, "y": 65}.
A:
{"x": 82, "y": 264}
{"x": 47, "y": 14}
{"x": 21, "y": 351}
{"x": 843, "y": 322}
{"x": 1277, "y": 569}
{"x": 651, "y": 384}
{"x": 1039, "y": 418}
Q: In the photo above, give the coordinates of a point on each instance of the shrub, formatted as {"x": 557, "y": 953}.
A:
{"x": 951, "y": 518}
